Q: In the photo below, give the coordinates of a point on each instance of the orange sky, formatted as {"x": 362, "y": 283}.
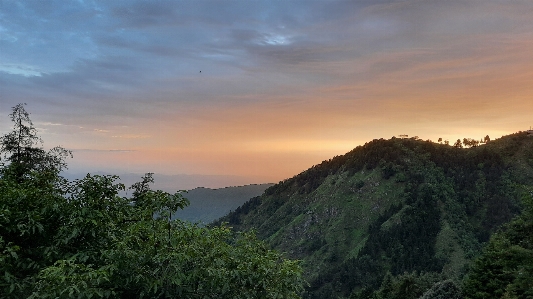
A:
{"x": 283, "y": 86}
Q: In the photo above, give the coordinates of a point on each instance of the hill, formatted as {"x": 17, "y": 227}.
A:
{"x": 401, "y": 212}
{"x": 171, "y": 183}
{"x": 207, "y": 204}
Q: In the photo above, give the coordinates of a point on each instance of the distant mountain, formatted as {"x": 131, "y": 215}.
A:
{"x": 206, "y": 204}
{"x": 393, "y": 218}
{"x": 173, "y": 183}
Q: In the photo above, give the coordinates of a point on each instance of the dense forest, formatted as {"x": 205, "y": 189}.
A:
{"x": 80, "y": 239}
{"x": 406, "y": 218}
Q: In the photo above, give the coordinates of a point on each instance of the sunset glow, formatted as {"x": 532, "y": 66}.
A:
{"x": 261, "y": 89}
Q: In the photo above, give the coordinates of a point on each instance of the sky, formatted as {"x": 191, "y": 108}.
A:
{"x": 260, "y": 90}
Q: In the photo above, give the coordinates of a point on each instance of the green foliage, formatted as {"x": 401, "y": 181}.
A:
{"x": 80, "y": 239}
{"x": 19, "y": 148}
{"x": 446, "y": 289}
{"x": 398, "y": 206}
{"x": 97, "y": 244}
{"x": 505, "y": 268}
{"x": 404, "y": 286}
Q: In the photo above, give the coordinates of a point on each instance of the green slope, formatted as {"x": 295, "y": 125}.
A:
{"x": 398, "y": 206}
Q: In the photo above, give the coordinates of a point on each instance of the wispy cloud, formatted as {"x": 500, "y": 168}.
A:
{"x": 131, "y": 136}
{"x": 23, "y": 70}
{"x": 210, "y": 82}
{"x": 103, "y": 150}
{"x": 101, "y": 131}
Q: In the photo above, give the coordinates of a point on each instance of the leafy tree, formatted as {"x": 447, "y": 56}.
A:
{"x": 469, "y": 142}
{"x": 19, "y": 142}
{"x": 80, "y": 239}
{"x": 458, "y": 144}
{"x": 486, "y": 139}
{"x": 20, "y": 147}
{"x": 29, "y": 219}
{"x": 31, "y": 202}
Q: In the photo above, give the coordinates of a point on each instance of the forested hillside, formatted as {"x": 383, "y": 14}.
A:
{"x": 395, "y": 218}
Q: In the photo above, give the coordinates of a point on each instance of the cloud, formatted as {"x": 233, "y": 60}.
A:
{"x": 140, "y": 14}
{"x": 50, "y": 124}
{"x": 23, "y": 70}
{"x": 103, "y": 150}
{"x": 320, "y": 73}
{"x": 122, "y": 151}
{"x": 130, "y": 136}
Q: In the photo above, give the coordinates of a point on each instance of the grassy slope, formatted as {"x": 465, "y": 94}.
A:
{"x": 391, "y": 206}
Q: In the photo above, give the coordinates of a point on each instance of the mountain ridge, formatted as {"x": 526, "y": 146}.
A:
{"x": 391, "y": 206}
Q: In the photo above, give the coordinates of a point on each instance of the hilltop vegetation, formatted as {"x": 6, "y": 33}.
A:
{"x": 397, "y": 218}
{"x": 80, "y": 239}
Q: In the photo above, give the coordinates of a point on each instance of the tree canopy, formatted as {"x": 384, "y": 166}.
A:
{"x": 505, "y": 269}
{"x": 80, "y": 239}
{"x": 19, "y": 148}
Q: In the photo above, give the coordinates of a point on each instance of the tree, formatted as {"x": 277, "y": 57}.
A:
{"x": 487, "y": 139}
{"x": 469, "y": 142}
{"x": 80, "y": 239}
{"x": 446, "y": 289}
{"x": 30, "y": 216}
{"x": 20, "y": 147}
{"x": 31, "y": 202}
{"x": 458, "y": 144}
{"x": 387, "y": 287}
{"x": 403, "y": 286}
{"x": 19, "y": 142}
